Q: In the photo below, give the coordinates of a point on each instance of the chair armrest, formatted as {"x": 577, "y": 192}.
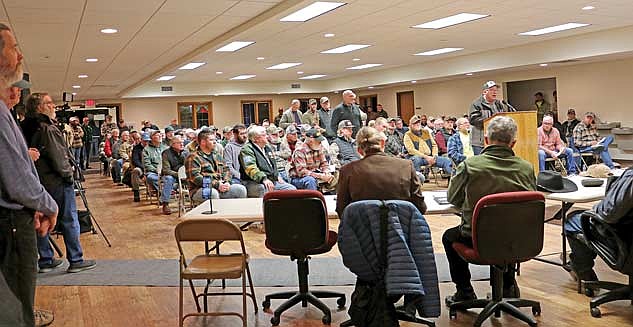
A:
{"x": 603, "y": 238}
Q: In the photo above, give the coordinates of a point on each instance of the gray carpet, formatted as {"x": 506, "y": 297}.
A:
{"x": 265, "y": 272}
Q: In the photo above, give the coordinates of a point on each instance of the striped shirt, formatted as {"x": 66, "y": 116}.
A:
{"x": 305, "y": 161}
{"x": 584, "y": 135}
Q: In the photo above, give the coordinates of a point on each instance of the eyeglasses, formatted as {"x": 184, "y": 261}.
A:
{"x": 548, "y": 123}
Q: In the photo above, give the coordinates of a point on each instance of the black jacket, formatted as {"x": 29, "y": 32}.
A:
{"x": 345, "y": 112}
{"x": 617, "y": 205}
{"x": 568, "y": 127}
{"x": 53, "y": 166}
{"x": 172, "y": 161}
{"x": 137, "y": 156}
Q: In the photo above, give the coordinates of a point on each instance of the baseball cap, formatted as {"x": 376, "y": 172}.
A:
{"x": 571, "y": 111}
{"x": 590, "y": 114}
{"x": 227, "y": 129}
{"x": 414, "y": 119}
{"x": 325, "y": 99}
{"x": 312, "y": 101}
{"x": 145, "y": 136}
{"x": 169, "y": 129}
{"x": 22, "y": 84}
{"x": 272, "y": 129}
{"x": 345, "y": 124}
{"x": 390, "y": 119}
{"x": 153, "y": 131}
{"x": 489, "y": 84}
{"x": 213, "y": 128}
{"x": 291, "y": 129}
{"x": 315, "y": 134}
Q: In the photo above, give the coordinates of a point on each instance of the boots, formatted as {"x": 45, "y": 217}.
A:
{"x": 137, "y": 196}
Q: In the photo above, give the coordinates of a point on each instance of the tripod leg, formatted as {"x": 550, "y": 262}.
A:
{"x": 56, "y": 247}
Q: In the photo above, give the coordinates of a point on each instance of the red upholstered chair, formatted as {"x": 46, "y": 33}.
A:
{"x": 507, "y": 228}
{"x": 296, "y": 224}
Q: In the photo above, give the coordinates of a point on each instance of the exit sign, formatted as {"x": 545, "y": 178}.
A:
{"x": 90, "y": 103}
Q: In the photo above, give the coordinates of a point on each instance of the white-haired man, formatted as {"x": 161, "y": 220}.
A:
{"x": 292, "y": 116}
{"x": 550, "y": 145}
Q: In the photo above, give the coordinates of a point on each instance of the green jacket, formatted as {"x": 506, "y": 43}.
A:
{"x": 495, "y": 170}
{"x": 257, "y": 166}
{"x": 152, "y": 157}
{"x": 87, "y": 133}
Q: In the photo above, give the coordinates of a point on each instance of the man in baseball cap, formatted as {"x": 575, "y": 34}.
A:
{"x": 569, "y": 125}
{"x": 587, "y": 139}
{"x": 347, "y": 151}
{"x": 481, "y": 109}
{"x": 325, "y": 119}
{"x": 309, "y": 167}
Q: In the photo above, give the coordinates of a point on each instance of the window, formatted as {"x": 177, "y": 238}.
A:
{"x": 255, "y": 111}
{"x": 194, "y": 114}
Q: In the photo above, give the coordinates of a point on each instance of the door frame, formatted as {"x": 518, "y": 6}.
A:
{"x": 270, "y": 109}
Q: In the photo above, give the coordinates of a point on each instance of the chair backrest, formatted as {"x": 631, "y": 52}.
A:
{"x": 295, "y": 220}
{"x": 182, "y": 173}
{"x": 508, "y": 227}
{"x": 611, "y": 242}
{"x": 211, "y": 229}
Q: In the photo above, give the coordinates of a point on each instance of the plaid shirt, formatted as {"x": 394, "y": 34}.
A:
{"x": 305, "y": 161}
{"x": 78, "y": 137}
{"x": 584, "y": 135}
{"x": 394, "y": 144}
{"x": 200, "y": 164}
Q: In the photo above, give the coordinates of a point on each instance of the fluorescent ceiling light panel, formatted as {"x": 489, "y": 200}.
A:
{"x": 243, "y": 77}
{"x": 365, "y": 66}
{"x": 284, "y": 65}
{"x": 588, "y": 8}
{"x": 313, "y": 76}
{"x": 316, "y": 9}
{"x": 438, "y": 51}
{"x": 553, "y": 29}
{"x": 450, "y": 21}
{"x": 234, "y": 46}
{"x": 166, "y": 78}
{"x": 192, "y": 65}
{"x": 82, "y": 76}
{"x": 92, "y": 59}
{"x": 76, "y": 86}
{"x": 109, "y": 30}
{"x": 347, "y": 48}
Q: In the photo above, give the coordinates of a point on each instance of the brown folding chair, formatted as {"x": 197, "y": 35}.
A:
{"x": 209, "y": 266}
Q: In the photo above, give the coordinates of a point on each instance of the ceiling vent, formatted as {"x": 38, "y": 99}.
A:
{"x": 166, "y": 88}
{"x": 295, "y": 86}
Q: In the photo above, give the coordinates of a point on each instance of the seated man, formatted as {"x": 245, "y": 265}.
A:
{"x": 274, "y": 141}
{"x": 258, "y": 167}
{"x": 152, "y": 158}
{"x": 173, "y": 158}
{"x": 550, "y": 145}
{"x": 394, "y": 144}
{"x": 495, "y": 170}
{"x": 206, "y": 163}
{"x": 422, "y": 148}
{"x": 308, "y": 166}
{"x": 459, "y": 148}
{"x": 140, "y": 142}
{"x": 586, "y": 139}
{"x": 346, "y": 145}
{"x": 616, "y": 208}
{"x": 116, "y": 163}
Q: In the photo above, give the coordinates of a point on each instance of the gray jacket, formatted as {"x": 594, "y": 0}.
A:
{"x": 325, "y": 118}
{"x": 346, "y": 150}
{"x": 288, "y": 118}
{"x": 232, "y": 158}
{"x": 480, "y": 111}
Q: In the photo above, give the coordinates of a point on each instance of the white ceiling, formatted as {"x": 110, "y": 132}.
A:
{"x": 158, "y": 36}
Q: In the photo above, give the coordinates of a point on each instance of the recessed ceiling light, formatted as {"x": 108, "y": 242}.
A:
{"x": 328, "y": 35}
{"x": 74, "y": 93}
{"x": 347, "y": 48}
{"x": 166, "y": 78}
{"x": 543, "y": 65}
{"x": 260, "y": 58}
{"x": 356, "y": 59}
{"x": 469, "y": 74}
{"x": 553, "y": 29}
{"x": 370, "y": 87}
{"x": 300, "y": 73}
{"x": 82, "y": 76}
{"x": 234, "y": 46}
{"x": 109, "y": 30}
{"x": 413, "y": 82}
{"x": 284, "y": 65}
{"x": 76, "y": 86}
{"x": 451, "y": 20}
{"x": 219, "y": 73}
{"x": 316, "y": 9}
{"x": 242, "y": 77}
{"x": 588, "y": 8}
{"x": 438, "y": 51}
{"x": 313, "y": 76}
{"x": 365, "y": 66}
{"x": 192, "y": 65}
{"x": 92, "y": 59}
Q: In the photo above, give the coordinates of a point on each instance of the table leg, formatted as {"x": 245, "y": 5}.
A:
{"x": 562, "y": 215}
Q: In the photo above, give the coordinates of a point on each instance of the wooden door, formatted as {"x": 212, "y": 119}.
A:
{"x": 406, "y": 106}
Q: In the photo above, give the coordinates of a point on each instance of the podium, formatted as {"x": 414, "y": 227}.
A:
{"x": 526, "y": 146}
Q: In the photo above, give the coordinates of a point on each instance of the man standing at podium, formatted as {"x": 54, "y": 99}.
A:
{"x": 482, "y": 108}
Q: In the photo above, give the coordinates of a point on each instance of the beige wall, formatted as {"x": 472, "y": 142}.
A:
{"x": 601, "y": 87}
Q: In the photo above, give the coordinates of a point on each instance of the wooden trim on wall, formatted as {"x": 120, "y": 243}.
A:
{"x": 194, "y": 119}
{"x": 270, "y": 108}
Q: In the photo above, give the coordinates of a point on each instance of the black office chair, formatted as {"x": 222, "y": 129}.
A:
{"x": 614, "y": 244}
{"x": 296, "y": 224}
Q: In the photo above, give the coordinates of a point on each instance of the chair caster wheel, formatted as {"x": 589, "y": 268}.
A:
{"x": 275, "y": 321}
{"x": 595, "y": 312}
{"x": 452, "y": 314}
{"x": 341, "y": 302}
{"x": 266, "y": 304}
{"x": 589, "y": 292}
{"x": 327, "y": 320}
{"x": 536, "y": 311}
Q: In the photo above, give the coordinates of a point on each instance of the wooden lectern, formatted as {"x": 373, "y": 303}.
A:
{"x": 527, "y": 135}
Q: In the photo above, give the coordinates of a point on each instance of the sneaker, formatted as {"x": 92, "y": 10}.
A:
{"x": 81, "y": 266}
{"x": 46, "y": 267}
{"x": 43, "y": 317}
{"x": 461, "y": 296}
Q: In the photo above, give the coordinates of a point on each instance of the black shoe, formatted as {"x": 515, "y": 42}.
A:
{"x": 81, "y": 266}
{"x": 46, "y": 267}
{"x": 137, "y": 196}
{"x": 461, "y": 295}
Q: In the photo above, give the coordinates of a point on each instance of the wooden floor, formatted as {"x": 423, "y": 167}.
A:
{"x": 140, "y": 231}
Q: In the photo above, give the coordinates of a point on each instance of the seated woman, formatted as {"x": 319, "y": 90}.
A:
{"x": 377, "y": 176}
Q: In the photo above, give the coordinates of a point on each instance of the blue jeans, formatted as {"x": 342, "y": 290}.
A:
{"x": 67, "y": 221}
{"x": 305, "y": 183}
{"x": 569, "y": 155}
{"x": 440, "y": 162}
{"x": 477, "y": 149}
{"x": 77, "y": 155}
{"x": 152, "y": 180}
{"x": 236, "y": 191}
{"x": 115, "y": 169}
{"x": 84, "y": 161}
{"x": 604, "y": 155}
{"x": 284, "y": 176}
{"x": 257, "y": 190}
{"x": 168, "y": 186}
